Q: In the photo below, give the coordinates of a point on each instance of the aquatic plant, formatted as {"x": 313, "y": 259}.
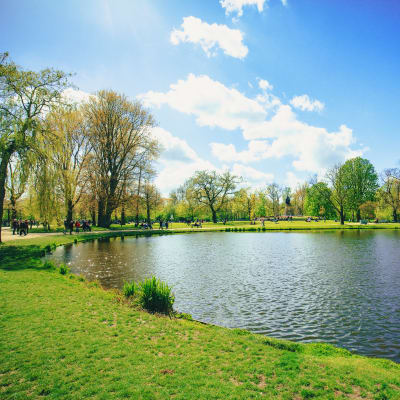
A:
{"x": 129, "y": 289}
{"x": 156, "y": 296}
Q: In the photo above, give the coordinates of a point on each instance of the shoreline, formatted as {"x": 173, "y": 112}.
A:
{"x": 273, "y": 365}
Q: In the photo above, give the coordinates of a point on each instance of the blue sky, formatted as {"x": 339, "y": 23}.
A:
{"x": 274, "y": 90}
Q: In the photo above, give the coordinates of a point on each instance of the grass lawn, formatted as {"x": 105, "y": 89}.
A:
{"x": 64, "y": 338}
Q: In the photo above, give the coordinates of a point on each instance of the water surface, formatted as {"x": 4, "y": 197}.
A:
{"x": 339, "y": 287}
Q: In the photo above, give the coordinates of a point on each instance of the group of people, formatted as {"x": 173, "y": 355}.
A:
{"x": 21, "y": 227}
{"x": 77, "y": 225}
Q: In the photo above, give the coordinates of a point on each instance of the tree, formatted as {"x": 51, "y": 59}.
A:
{"x": 298, "y": 199}
{"x": 120, "y": 138}
{"x": 274, "y": 193}
{"x": 361, "y": 181}
{"x": 152, "y": 199}
{"x": 317, "y": 202}
{"x": 213, "y": 190}
{"x": 24, "y": 98}
{"x": 18, "y": 174}
{"x": 389, "y": 193}
{"x": 338, "y": 198}
{"x": 68, "y": 150}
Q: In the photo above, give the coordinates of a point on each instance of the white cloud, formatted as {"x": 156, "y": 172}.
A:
{"x": 271, "y": 128}
{"x": 304, "y": 103}
{"x": 284, "y": 2}
{"x": 210, "y": 37}
{"x": 264, "y": 84}
{"x": 76, "y": 96}
{"x": 212, "y": 103}
{"x": 252, "y": 176}
{"x": 178, "y": 161}
{"x": 292, "y": 180}
{"x": 236, "y": 6}
{"x": 227, "y": 152}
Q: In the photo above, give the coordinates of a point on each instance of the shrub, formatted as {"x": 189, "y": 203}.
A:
{"x": 50, "y": 247}
{"x": 129, "y": 289}
{"x": 63, "y": 269}
{"x": 156, "y": 296}
{"x": 47, "y": 264}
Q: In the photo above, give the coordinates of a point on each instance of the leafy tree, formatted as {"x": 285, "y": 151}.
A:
{"x": 368, "y": 210}
{"x": 68, "y": 150}
{"x": 120, "y": 138}
{"x": 274, "y": 193}
{"x": 389, "y": 193}
{"x": 17, "y": 179}
{"x": 152, "y": 199}
{"x": 213, "y": 190}
{"x": 361, "y": 181}
{"x": 317, "y": 202}
{"x": 25, "y": 96}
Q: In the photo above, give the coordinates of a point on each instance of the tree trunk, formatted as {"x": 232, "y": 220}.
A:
{"x": 214, "y": 215}
{"x": 123, "y": 220}
{"x": 70, "y": 209}
{"x": 5, "y": 158}
{"x": 148, "y": 213}
{"x": 93, "y": 215}
{"x": 341, "y": 216}
{"x": 13, "y": 203}
{"x": 395, "y": 217}
{"x": 100, "y": 213}
{"x": 358, "y": 215}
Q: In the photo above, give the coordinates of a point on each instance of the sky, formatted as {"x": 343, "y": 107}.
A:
{"x": 273, "y": 90}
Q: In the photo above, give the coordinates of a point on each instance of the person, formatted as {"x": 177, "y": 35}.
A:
{"x": 77, "y": 226}
{"x": 166, "y": 224}
{"x": 71, "y": 227}
{"x": 14, "y": 226}
{"x": 161, "y": 224}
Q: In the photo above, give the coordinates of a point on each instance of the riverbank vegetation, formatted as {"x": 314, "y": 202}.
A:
{"x": 94, "y": 160}
{"x": 64, "y": 337}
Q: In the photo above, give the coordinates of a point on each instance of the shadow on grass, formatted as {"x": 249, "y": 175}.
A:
{"x": 20, "y": 257}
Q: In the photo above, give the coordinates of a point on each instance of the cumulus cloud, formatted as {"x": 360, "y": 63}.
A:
{"x": 236, "y": 6}
{"x": 272, "y": 129}
{"x": 292, "y": 180}
{"x": 304, "y": 103}
{"x": 212, "y": 103}
{"x": 252, "y": 176}
{"x": 178, "y": 161}
{"x": 264, "y": 84}
{"x": 75, "y": 95}
{"x": 210, "y": 37}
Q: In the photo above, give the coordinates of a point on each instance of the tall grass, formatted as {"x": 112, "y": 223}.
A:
{"x": 129, "y": 289}
{"x": 156, "y": 296}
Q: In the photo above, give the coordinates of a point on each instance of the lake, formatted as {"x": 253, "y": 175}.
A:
{"x": 339, "y": 287}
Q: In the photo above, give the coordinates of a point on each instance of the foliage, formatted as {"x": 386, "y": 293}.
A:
{"x": 317, "y": 201}
{"x": 156, "y": 296}
{"x": 361, "y": 182}
{"x": 212, "y": 189}
{"x": 63, "y": 269}
{"x": 129, "y": 289}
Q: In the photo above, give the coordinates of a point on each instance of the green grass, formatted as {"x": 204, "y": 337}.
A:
{"x": 65, "y": 338}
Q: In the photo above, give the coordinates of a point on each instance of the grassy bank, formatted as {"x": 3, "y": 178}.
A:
{"x": 245, "y": 225}
{"x": 61, "y": 337}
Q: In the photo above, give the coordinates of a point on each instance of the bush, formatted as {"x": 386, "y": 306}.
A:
{"x": 156, "y": 296}
{"x": 63, "y": 269}
{"x": 129, "y": 289}
{"x": 47, "y": 264}
{"x": 50, "y": 247}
